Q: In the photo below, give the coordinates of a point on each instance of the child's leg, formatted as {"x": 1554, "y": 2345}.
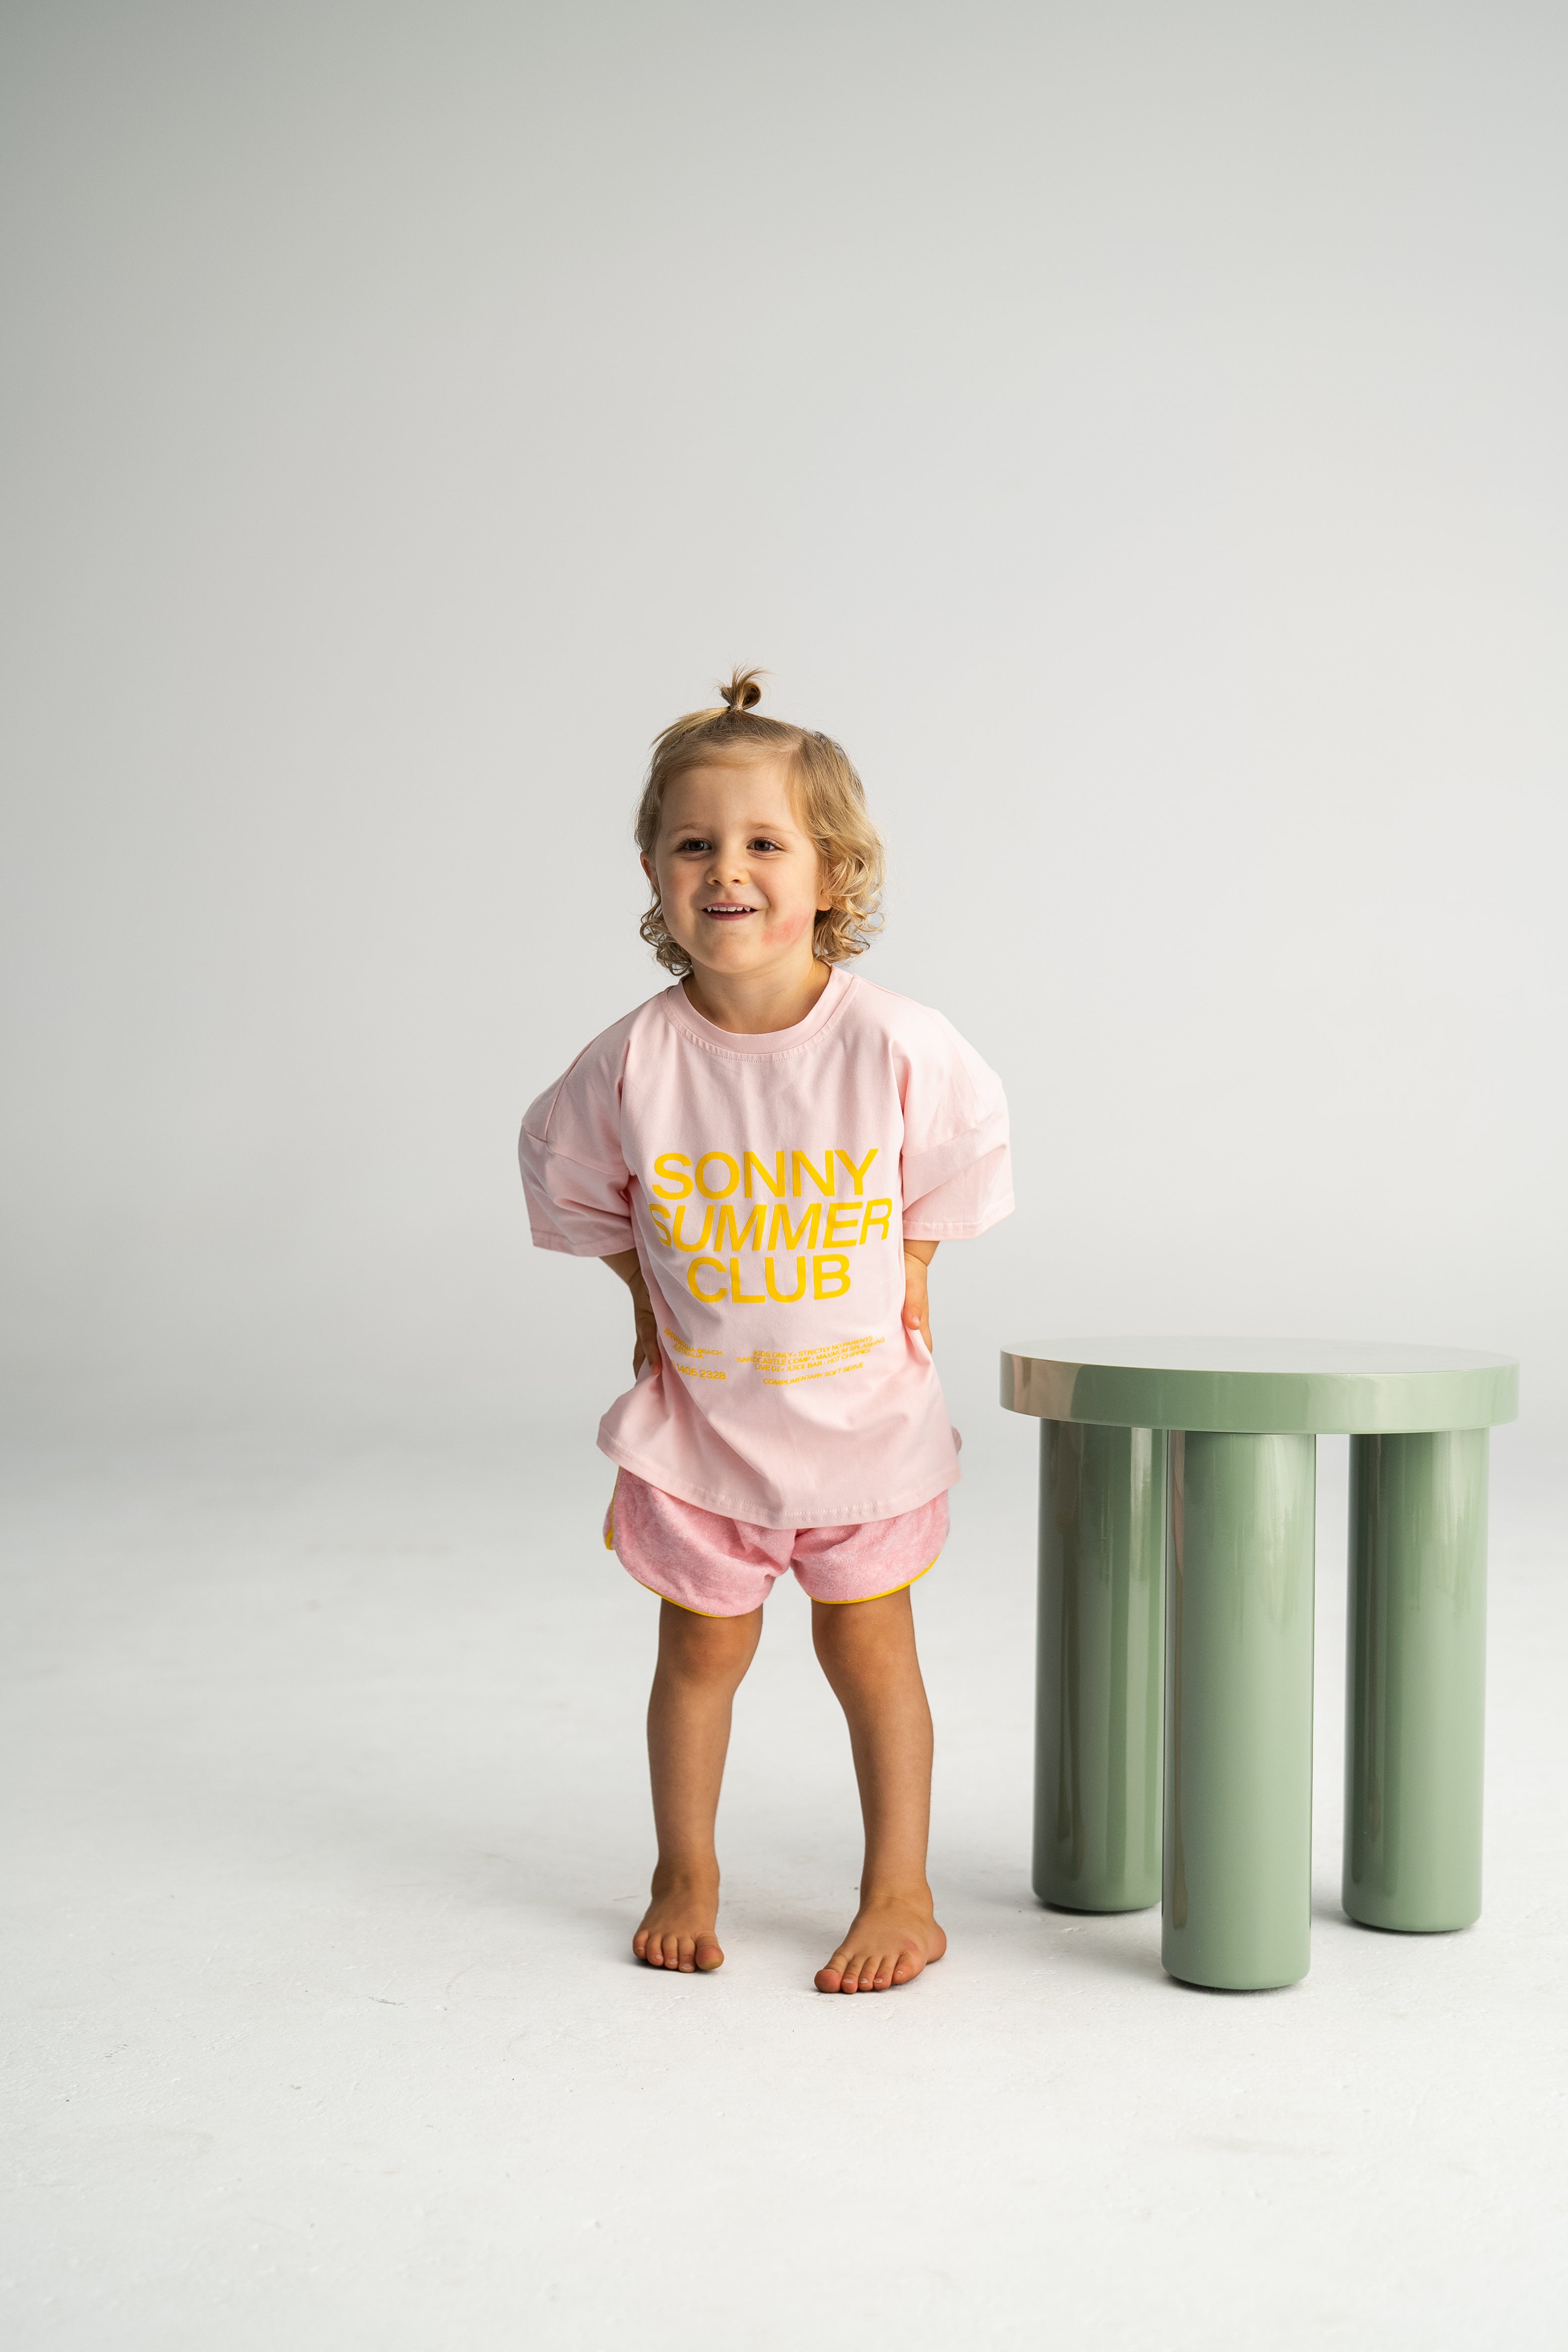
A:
{"x": 867, "y": 1653}
{"x": 701, "y": 1661}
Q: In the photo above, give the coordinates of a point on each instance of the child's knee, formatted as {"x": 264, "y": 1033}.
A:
{"x": 848, "y": 1633}
{"x": 707, "y": 1649}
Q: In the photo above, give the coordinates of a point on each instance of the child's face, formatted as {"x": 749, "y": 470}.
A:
{"x": 739, "y": 880}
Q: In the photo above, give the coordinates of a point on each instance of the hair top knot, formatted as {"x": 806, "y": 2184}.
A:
{"x": 742, "y": 693}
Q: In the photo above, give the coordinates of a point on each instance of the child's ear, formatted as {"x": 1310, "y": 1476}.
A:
{"x": 644, "y": 861}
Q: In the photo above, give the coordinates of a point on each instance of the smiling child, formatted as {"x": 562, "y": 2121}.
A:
{"x": 768, "y": 1155}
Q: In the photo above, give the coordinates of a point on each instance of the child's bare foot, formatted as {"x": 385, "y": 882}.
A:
{"x": 890, "y": 1942}
{"x": 677, "y": 1931}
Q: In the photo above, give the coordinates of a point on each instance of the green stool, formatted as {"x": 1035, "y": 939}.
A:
{"x": 1178, "y": 1499}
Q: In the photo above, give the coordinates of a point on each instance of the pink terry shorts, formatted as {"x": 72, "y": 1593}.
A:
{"x": 727, "y": 1568}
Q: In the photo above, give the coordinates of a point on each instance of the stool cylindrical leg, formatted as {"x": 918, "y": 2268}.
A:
{"x": 1239, "y": 1710}
{"x": 1415, "y": 1677}
{"x": 1098, "y": 1692}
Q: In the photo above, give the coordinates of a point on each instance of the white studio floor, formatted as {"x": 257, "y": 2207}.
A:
{"x": 328, "y": 1832}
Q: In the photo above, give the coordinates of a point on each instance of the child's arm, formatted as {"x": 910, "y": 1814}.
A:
{"x": 918, "y": 1256}
{"x": 626, "y": 1263}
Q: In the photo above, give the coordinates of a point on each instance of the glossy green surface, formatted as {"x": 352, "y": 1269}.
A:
{"x": 1307, "y": 1386}
{"x": 1239, "y": 1710}
{"x": 1416, "y": 1675}
{"x": 1099, "y": 1686}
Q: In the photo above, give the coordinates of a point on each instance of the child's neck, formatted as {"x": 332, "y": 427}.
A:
{"x": 751, "y": 1003}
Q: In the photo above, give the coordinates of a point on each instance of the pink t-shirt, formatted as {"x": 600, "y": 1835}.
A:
{"x": 768, "y": 1186}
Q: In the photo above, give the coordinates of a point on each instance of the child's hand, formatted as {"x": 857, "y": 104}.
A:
{"x": 645, "y": 1347}
{"x": 645, "y": 1344}
{"x": 918, "y": 1256}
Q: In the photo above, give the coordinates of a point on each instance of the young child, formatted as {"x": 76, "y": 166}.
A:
{"x": 768, "y": 1155}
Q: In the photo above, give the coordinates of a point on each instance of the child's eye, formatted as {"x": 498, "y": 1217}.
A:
{"x": 762, "y": 842}
{"x": 692, "y": 843}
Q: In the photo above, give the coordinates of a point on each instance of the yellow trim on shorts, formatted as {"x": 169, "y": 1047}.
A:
{"x": 714, "y": 1616}
{"x": 854, "y": 1603}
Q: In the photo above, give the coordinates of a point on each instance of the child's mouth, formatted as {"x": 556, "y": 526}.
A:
{"x": 727, "y": 914}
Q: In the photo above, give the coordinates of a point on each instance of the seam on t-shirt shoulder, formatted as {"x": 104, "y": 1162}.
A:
{"x": 571, "y": 1160}
{"x": 963, "y": 1134}
{"x": 625, "y": 1022}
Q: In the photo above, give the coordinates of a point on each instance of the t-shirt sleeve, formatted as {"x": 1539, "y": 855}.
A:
{"x": 577, "y": 1184}
{"x": 956, "y": 1169}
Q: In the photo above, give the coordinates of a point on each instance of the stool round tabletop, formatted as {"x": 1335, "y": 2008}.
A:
{"x": 1272, "y": 1387}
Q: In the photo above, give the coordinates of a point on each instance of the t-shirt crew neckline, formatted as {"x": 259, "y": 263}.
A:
{"x": 684, "y": 1014}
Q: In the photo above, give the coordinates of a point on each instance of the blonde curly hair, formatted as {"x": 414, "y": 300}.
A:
{"x": 828, "y": 794}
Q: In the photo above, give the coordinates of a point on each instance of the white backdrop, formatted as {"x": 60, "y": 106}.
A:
{"x": 1135, "y": 430}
